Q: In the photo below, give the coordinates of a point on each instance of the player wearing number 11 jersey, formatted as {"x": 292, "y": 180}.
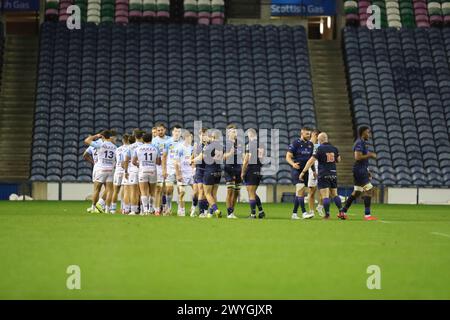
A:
{"x": 147, "y": 157}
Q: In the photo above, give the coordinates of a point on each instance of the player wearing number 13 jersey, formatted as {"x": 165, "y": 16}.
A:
{"x": 327, "y": 156}
{"x": 106, "y": 151}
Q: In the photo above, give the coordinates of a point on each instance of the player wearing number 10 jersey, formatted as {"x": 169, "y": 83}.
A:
{"x": 327, "y": 156}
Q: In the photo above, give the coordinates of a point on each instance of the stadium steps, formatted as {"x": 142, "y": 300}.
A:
{"x": 331, "y": 101}
{"x": 17, "y": 99}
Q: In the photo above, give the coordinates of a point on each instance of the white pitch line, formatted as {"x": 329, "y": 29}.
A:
{"x": 441, "y": 234}
{"x": 384, "y": 221}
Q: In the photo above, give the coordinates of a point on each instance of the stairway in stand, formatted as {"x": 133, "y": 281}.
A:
{"x": 17, "y": 96}
{"x": 331, "y": 101}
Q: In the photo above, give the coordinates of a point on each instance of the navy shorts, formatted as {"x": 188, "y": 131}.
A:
{"x": 211, "y": 177}
{"x": 232, "y": 174}
{"x": 295, "y": 174}
{"x": 361, "y": 177}
{"x": 199, "y": 174}
{"x": 252, "y": 177}
{"x": 326, "y": 182}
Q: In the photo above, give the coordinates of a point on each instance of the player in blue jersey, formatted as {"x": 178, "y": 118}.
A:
{"x": 232, "y": 169}
{"x": 298, "y": 154}
{"x": 251, "y": 173}
{"x": 213, "y": 157}
{"x": 327, "y": 156}
{"x": 169, "y": 157}
{"x": 361, "y": 174}
{"x": 198, "y": 198}
{"x": 160, "y": 142}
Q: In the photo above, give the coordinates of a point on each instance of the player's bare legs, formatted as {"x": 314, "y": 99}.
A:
{"x": 311, "y": 199}
{"x": 229, "y": 201}
{"x": 254, "y": 201}
{"x": 96, "y": 194}
{"x": 169, "y": 194}
{"x": 134, "y": 195}
{"x": 109, "y": 187}
{"x": 181, "y": 203}
{"x": 195, "y": 198}
{"x": 115, "y": 195}
{"x": 328, "y": 194}
{"x": 145, "y": 193}
{"x": 299, "y": 200}
{"x": 151, "y": 197}
{"x": 211, "y": 196}
{"x": 158, "y": 198}
{"x": 126, "y": 200}
{"x": 202, "y": 201}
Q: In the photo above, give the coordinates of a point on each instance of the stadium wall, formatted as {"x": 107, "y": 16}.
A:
{"x": 83, "y": 191}
{"x": 417, "y": 196}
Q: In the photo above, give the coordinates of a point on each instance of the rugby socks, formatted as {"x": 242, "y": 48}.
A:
{"x": 126, "y": 207}
{"x": 326, "y": 205}
{"x": 338, "y": 202}
{"x": 113, "y": 206}
{"x": 151, "y": 201}
{"x": 348, "y": 203}
{"x": 194, "y": 202}
{"x": 144, "y": 201}
{"x": 102, "y": 202}
{"x": 134, "y": 208}
{"x": 259, "y": 204}
{"x": 213, "y": 208}
{"x": 296, "y": 203}
{"x": 230, "y": 210}
{"x": 169, "y": 202}
{"x": 301, "y": 201}
{"x": 253, "y": 206}
{"x": 367, "y": 202}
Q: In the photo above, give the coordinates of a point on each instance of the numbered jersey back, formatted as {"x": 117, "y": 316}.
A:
{"x": 147, "y": 155}
{"x": 106, "y": 154}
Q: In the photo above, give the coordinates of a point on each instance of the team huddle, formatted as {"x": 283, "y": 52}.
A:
{"x": 313, "y": 160}
{"x": 145, "y": 170}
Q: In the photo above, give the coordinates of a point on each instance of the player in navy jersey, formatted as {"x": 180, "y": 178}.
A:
{"x": 327, "y": 156}
{"x": 361, "y": 174}
{"x": 213, "y": 156}
{"x": 232, "y": 169}
{"x": 251, "y": 172}
{"x": 198, "y": 197}
{"x": 298, "y": 154}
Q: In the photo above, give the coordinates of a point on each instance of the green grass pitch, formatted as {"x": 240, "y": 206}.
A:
{"x": 123, "y": 257}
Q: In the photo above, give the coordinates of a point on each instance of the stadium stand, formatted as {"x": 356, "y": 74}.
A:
{"x": 400, "y": 13}
{"x": 2, "y": 43}
{"x": 125, "y": 11}
{"x": 399, "y": 81}
{"x": 124, "y": 77}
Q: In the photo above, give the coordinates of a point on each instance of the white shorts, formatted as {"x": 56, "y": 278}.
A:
{"x": 133, "y": 178}
{"x": 94, "y": 171}
{"x": 103, "y": 176}
{"x": 149, "y": 177}
{"x": 118, "y": 178}
{"x": 159, "y": 176}
{"x": 171, "y": 178}
{"x": 312, "y": 182}
{"x": 186, "y": 181}
{"x": 124, "y": 180}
